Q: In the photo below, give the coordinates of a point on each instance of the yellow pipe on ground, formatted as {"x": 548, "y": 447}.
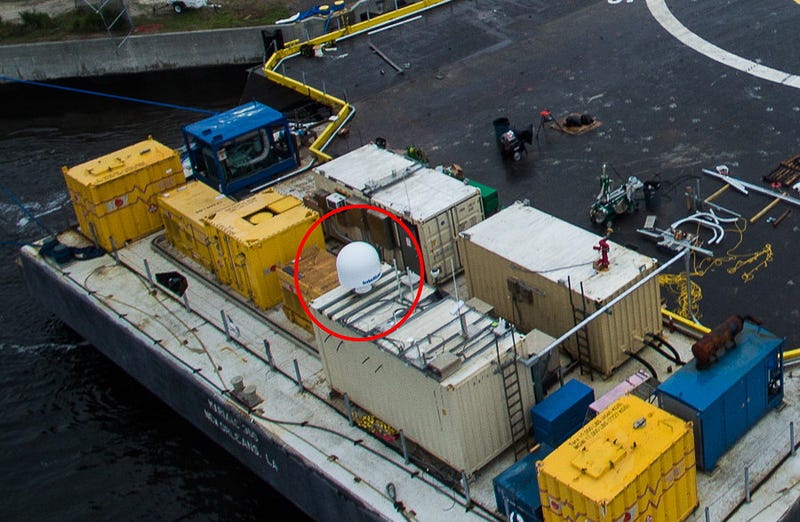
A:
{"x": 686, "y": 322}
{"x": 787, "y": 355}
{"x": 791, "y": 354}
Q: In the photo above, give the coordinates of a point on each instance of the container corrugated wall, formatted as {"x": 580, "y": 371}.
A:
{"x": 631, "y": 462}
{"x": 450, "y": 206}
{"x": 183, "y": 212}
{"x": 115, "y": 196}
{"x": 465, "y": 425}
{"x": 490, "y": 273}
{"x": 254, "y": 238}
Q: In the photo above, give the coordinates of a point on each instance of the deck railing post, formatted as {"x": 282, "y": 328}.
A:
{"x": 403, "y": 444}
{"x": 268, "y": 350}
{"x": 149, "y": 273}
{"x": 114, "y": 249}
{"x": 465, "y": 485}
{"x": 747, "y": 484}
{"x": 299, "y": 378}
{"x": 348, "y": 408}
{"x": 225, "y": 325}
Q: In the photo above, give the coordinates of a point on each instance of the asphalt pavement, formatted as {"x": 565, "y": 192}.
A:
{"x": 667, "y": 110}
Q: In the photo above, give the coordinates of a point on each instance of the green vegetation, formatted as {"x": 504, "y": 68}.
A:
{"x": 83, "y": 22}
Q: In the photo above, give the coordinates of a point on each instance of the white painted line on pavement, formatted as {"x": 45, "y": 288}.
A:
{"x": 662, "y": 14}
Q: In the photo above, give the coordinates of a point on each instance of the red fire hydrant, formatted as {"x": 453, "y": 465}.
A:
{"x": 602, "y": 247}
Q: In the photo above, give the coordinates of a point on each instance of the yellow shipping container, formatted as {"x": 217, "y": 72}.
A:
{"x": 317, "y": 276}
{"x": 115, "y": 196}
{"x": 632, "y": 462}
{"x": 252, "y": 239}
{"x": 183, "y": 212}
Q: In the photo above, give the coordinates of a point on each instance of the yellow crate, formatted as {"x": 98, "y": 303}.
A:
{"x": 115, "y": 196}
{"x": 632, "y": 462}
{"x": 317, "y": 276}
{"x": 251, "y": 241}
{"x": 183, "y": 212}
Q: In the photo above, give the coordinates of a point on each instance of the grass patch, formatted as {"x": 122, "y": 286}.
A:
{"x": 83, "y": 22}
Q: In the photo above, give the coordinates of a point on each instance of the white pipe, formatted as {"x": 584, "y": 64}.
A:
{"x": 718, "y": 231}
{"x": 768, "y": 192}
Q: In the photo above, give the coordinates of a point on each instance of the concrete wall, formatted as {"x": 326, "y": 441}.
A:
{"x": 155, "y": 52}
{"x": 96, "y": 57}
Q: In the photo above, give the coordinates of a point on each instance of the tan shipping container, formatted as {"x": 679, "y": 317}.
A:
{"x": 115, "y": 196}
{"x": 435, "y": 206}
{"x": 523, "y": 262}
{"x": 254, "y": 238}
{"x": 442, "y": 389}
{"x": 633, "y": 461}
{"x": 317, "y": 269}
{"x": 184, "y": 211}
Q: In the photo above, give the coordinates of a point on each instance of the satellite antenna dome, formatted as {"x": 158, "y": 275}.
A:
{"x": 358, "y": 266}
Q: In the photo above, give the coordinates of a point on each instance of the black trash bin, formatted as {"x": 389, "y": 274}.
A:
{"x": 652, "y": 195}
{"x": 501, "y": 126}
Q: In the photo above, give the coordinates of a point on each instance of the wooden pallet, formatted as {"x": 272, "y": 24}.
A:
{"x": 787, "y": 173}
{"x": 574, "y": 131}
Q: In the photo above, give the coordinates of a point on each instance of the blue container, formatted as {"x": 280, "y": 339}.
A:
{"x": 518, "y": 490}
{"x": 561, "y": 413}
{"x": 238, "y": 149}
{"x": 728, "y": 398}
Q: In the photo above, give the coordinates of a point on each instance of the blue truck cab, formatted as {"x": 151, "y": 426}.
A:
{"x": 241, "y": 148}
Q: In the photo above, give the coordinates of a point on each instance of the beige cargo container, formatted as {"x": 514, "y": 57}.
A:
{"x": 435, "y": 206}
{"x": 527, "y": 264}
{"x": 441, "y": 388}
{"x": 115, "y": 196}
{"x": 183, "y": 212}
{"x": 254, "y": 238}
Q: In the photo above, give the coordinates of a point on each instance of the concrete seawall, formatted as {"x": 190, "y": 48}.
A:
{"x": 160, "y": 52}
{"x": 137, "y": 54}
{"x": 101, "y": 56}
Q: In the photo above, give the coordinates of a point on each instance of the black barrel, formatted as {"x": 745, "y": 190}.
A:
{"x": 652, "y": 195}
{"x": 501, "y": 126}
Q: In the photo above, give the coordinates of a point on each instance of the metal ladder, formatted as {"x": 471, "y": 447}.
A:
{"x": 513, "y": 394}
{"x": 582, "y": 335}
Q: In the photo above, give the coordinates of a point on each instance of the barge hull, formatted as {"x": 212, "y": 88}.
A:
{"x": 190, "y": 395}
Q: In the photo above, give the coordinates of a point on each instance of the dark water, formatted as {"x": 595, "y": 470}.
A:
{"x": 79, "y": 439}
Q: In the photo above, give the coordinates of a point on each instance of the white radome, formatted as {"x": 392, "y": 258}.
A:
{"x": 358, "y": 266}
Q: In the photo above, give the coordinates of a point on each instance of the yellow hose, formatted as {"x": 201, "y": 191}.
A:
{"x": 678, "y": 319}
{"x": 791, "y": 354}
{"x": 788, "y": 355}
